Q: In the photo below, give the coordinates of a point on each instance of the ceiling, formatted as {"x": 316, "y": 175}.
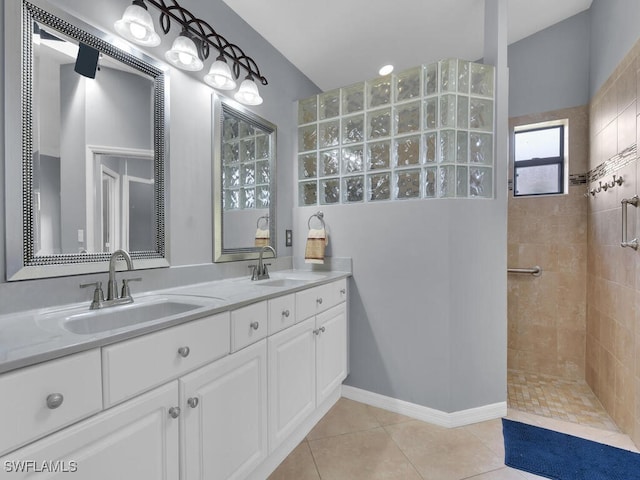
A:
{"x": 339, "y": 42}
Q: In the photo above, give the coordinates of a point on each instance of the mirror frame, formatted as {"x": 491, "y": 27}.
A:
{"x": 21, "y": 261}
{"x": 222, "y": 105}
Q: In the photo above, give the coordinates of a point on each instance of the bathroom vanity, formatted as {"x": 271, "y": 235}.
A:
{"x": 223, "y": 391}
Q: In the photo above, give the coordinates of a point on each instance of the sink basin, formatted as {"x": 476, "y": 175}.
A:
{"x": 144, "y": 310}
{"x": 303, "y": 276}
{"x": 281, "y": 282}
{"x": 97, "y": 321}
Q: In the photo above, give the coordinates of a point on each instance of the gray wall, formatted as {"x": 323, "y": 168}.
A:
{"x": 614, "y": 30}
{"x": 549, "y": 70}
{"x": 427, "y": 309}
{"x": 189, "y": 171}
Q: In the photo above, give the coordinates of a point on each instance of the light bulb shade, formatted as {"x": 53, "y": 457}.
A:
{"x": 136, "y": 25}
{"x": 220, "y": 76}
{"x": 248, "y": 93}
{"x": 184, "y": 54}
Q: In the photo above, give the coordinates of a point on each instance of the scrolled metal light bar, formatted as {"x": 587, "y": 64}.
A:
{"x": 206, "y": 36}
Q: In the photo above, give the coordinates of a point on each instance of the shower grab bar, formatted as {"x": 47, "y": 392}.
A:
{"x": 626, "y": 202}
{"x": 535, "y": 271}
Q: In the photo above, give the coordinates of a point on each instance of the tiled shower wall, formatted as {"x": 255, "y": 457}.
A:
{"x": 613, "y": 285}
{"x": 547, "y": 314}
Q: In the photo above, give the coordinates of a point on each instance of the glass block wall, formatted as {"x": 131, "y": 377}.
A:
{"x": 245, "y": 165}
{"x": 423, "y": 133}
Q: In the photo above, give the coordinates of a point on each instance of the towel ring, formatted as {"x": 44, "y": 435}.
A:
{"x": 266, "y": 221}
{"x": 319, "y": 216}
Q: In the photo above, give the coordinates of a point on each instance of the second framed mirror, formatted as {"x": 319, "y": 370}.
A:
{"x": 244, "y": 173}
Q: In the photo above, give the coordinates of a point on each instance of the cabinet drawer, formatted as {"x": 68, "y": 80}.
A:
{"x": 282, "y": 313}
{"x": 142, "y": 363}
{"x": 28, "y": 397}
{"x": 248, "y": 325}
{"x": 318, "y": 299}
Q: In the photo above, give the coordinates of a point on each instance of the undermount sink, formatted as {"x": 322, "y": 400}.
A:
{"x": 97, "y": 321}
{"x": 281, "y": 282}
{"x": 151, "y": 309}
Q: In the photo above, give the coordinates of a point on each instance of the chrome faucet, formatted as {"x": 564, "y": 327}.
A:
{"x": 260, "y": 271}
{"x": 112, "y": 287}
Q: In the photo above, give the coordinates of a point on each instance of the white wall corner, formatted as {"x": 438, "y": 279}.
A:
{"x": 426, "y": 414}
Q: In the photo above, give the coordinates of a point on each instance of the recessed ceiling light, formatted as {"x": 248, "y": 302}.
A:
{"x": 386, "y": 70}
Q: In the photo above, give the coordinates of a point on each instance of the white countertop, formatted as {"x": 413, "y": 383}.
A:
{"x": 34, "y": 336}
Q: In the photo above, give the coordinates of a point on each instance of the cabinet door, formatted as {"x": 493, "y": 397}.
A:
{"x": 224, "y": 434}
{"x": 138, "y": 439}
{"x": 331, "y": 350}
{"x": 291, "y": 379}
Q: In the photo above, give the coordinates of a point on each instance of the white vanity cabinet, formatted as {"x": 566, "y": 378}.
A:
{"x": 224, "y": 422}
{"x": 133, "y": 366}
{"x": 224, "y": 397}
{"x": 308, "y": 361}
{"x": 292, "y": 385}
{"x": 46, "y": 397}
{"x": 137, "y": 439}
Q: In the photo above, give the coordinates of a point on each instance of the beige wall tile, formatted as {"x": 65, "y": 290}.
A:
{"x": 626, "y": 87}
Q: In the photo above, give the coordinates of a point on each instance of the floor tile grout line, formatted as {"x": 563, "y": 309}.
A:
{"x": 402, "y": 451}
{"x": 315, "y": 464}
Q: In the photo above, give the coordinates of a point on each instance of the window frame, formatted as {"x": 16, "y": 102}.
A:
{"x": 561, "y": 160}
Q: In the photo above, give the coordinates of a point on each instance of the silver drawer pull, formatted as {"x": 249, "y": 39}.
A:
{"x": 285, "y": 313}
{"x": 255, "y": 325}
{"x": 192, "y": 402}
{"x": 174, "y": 412}
{"x": 319, "y": 300}
{"x": 184, "y": 352}
{"x": 54, "y": 400}
{"x": 343, "y": 291}
{"x": 318, "y": 331}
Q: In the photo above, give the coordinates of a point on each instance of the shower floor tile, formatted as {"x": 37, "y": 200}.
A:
{"x": 559, "y": 398}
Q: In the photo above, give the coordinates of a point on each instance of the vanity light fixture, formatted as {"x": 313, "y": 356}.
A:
{"x": 136, "y": 25}
{"x": 193, "y": 46}
{"x": 184, "y": 53}
{"x": 248, "y": 92}
{"x": 220, "y": 76}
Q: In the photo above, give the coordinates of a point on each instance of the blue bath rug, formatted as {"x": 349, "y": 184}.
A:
{"x": 565, "y": 457}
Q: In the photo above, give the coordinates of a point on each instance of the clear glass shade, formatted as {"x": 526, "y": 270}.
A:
{"x": 220, "y": 76}
{"x": 184, "y": 54}
{"x": 136, "y": 25}
{"x": 248, "y": 93}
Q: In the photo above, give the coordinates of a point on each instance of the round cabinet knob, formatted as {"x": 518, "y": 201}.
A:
{"x": 255, "y": 325}
{"x": 343, "y": 291}
{"x": 316, "y": 331}
{"x": 192, "y": 402}
{"x": 54, "y": 400}
{"x": 322, "y": 329}
{"x": 285, "y": 313}
{"x": 319, "y": 300}
{"x": 174, "y": 412}
{"x": 184, "y": 352}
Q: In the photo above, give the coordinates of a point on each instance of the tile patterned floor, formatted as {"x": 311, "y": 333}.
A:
{"x": 569, "y": 400}
{"x": 355, "y": 441}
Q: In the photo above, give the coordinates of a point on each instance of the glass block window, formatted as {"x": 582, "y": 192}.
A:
{"x": 539, "y": 159}
{"x": 423, "y": 133}
{"x": 246, "y": 157}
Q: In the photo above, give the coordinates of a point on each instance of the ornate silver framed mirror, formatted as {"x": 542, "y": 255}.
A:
{"x": 86, "y": 130}
{"x": 244, "y": 173}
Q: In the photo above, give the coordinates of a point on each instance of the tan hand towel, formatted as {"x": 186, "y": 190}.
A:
{"x": 317, "y": 240}
{"x": 262, "y": 237}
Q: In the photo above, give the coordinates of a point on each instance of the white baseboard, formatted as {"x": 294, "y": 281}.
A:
{"x": 426, "y": 414}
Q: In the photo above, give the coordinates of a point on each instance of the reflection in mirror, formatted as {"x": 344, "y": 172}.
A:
{"x": 244, "y": 176}
{"x": 92, "y": 150}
